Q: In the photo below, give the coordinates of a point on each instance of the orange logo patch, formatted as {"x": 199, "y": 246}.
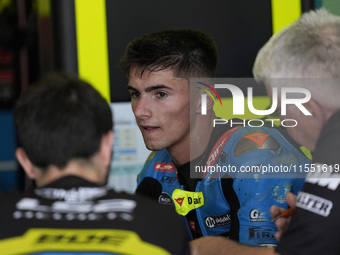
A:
{"x": 258, "y": 138}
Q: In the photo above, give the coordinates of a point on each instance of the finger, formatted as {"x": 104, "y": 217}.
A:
{"x": 291, "y": 199}
{"x": 282, "y": 224}
{"x": 276, "y": 211}
{"x": 277, "y": 235}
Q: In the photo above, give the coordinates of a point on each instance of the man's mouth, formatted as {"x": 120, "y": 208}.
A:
{"x": 149, "y": 128}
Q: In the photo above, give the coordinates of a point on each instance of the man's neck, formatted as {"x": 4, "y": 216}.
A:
{"x": 195, "y": 144}
{"x": 83, "y": 170}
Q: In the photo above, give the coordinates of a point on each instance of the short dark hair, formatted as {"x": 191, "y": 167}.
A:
{"x": 189, "y": 53}
{"x": 60, "y": 119}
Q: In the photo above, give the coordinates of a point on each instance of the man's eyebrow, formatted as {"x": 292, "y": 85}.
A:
{"x": 151, "y": 88}
{"x": 131, "y": 88}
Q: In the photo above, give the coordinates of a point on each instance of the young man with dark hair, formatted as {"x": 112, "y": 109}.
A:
{"x": 159, "y": 67}
{"x": 65, "y": 135}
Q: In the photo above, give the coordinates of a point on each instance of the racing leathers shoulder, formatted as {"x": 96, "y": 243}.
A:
{"x": 72, "y": 215}
{"x": 239, "y": 181}
{"x": 315, "y": 222}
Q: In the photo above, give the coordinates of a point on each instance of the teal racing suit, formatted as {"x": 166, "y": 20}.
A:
{"x": 258, "y": 167}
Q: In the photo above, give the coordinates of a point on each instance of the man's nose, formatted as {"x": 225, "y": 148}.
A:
{"x": 142, "y": 108}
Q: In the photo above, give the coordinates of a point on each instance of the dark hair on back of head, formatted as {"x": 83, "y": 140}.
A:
{"x": 189, "y": 53}
{"x": 61, "y": 119}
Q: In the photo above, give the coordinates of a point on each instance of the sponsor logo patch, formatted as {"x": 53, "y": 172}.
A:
{"x": 256, "y": 216}
{"x": 164, "y": 167}
{"x": 314, "y": 204}
{"x": 258, "y": 138}
{"x": 217, "y": 149}
{"x": 165, "y": 199}
{"x": 259, "y": 233}
{"x": 324, "y": 179}
{"x": 168, "y": 179}
{"x": 187, "y": 201}
{"x": 179, "y": 200}
{"x": 217, "y": 220}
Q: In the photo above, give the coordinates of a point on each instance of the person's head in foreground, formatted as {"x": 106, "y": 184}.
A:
{"x": 64, "y": 127}
{"x": 306, "y": 55}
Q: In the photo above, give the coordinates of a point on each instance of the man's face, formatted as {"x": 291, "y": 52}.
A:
{"x": 161, "y": 105}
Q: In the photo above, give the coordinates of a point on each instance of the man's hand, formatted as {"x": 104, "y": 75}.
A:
{"x": 217, "y": 245}
{"x": 282, "y": 223}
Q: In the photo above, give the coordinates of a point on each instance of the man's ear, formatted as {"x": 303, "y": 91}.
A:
{"x": 319, "y": 116}
{"x": 106, "y": 147}
{"x": 316, "y": 110}
{"x": 25, "y": 162}
{"x": 209, "y": 103}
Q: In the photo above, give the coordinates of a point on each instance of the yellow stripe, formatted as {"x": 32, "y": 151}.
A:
{"x": 4, "y": 4}
{"x": 93, "y": 64}
{"x": 60, "y": 241}
{"x": 284, "y": 12}
{"x": 44, "y": 8}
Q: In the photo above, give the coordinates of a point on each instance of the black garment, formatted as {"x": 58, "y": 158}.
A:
{"x": 72, "y": 213}
{"x": 315, "y": 224}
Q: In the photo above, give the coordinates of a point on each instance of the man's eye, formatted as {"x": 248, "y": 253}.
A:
{"x": 161, "y": 94}
{"x": 134, "y": 94}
